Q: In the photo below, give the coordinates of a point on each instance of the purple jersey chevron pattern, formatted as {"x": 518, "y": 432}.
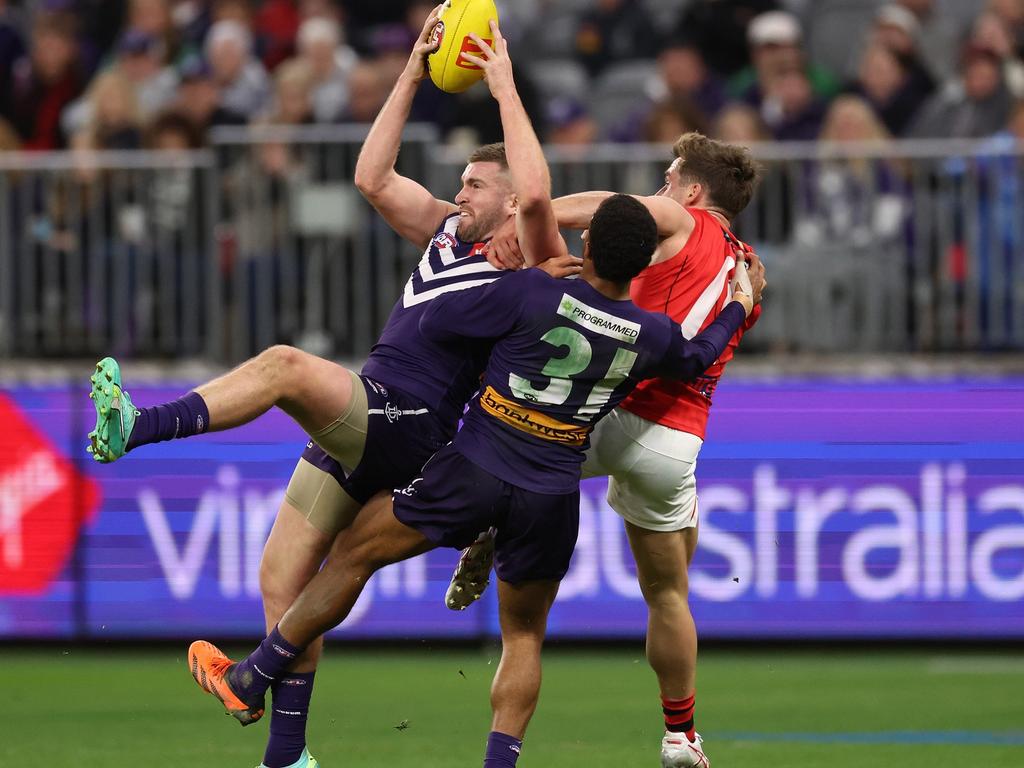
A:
{"x": 444, "y": 377}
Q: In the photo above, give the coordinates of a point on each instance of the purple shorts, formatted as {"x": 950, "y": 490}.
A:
{"x": 401, "y": 435}
{"x": 453, "y": 500}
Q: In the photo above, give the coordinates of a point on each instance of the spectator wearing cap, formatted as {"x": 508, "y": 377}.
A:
{"x": 331, "y": 63}
{"x": 892, "y": 74}
{"x": 789, "y": 94}
{"x": 775, "y": 41}
{"x": 198, "y": 97}
{"x": 717, "y": 25}
{"x": 975, "y": 106}
{"x": 899, "y": 30}
{"x": 613, "y": 31}
{"x": 685, "y": 76}
{"x": 44, "y": 82}
{"x": 570, "y": 124}
{"x": 241, "y": 78}
{"x": 139, "y": 57}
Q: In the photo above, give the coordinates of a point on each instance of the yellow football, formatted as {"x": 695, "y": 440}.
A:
{"x": 457, "y": 20}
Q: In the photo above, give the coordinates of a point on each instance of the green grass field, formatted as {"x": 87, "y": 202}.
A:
{"x": 907, "y": 709}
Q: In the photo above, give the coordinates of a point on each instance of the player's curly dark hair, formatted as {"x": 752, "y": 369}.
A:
{"x": 622, "y": 238}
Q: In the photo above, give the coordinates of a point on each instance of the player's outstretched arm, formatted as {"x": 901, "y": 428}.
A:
{"x": 535, "y": 222}
{"x": 575, "y": 211}
{"x": 674, "y": 222}
{"x": 407, "y": 206}
{"x": 688, "y": 359}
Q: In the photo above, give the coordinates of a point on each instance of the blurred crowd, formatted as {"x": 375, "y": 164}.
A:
{"x": 161, "y": 73}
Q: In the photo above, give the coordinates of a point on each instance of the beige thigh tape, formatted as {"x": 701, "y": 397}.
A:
{"x": 317, "y": 495}
{"x": 344, "y": 439}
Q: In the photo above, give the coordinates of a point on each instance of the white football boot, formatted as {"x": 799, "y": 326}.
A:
{"x": 677, "y": 751}
{"x": 473, "y": 573}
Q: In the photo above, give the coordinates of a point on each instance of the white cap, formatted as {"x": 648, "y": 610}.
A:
{"x": 318, "y": 29}
{"x": 228, "y": 30}
{"x": 899, "y": 17}
{"x": 774, "y": 28}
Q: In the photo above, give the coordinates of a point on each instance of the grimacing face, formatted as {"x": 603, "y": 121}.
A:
{"x": 673, "y": 183}
{"x": 684, "y": 193}
{"x": 485, "y": 201}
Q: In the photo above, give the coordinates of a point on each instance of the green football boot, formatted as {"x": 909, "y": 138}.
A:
{"x": 115, "y": 413}
{"x": 305, "y": 760}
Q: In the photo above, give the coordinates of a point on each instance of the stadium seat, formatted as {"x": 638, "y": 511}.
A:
{"x": 552, "y": 35}
{"x": 666, "y": 13}
{"x": 621, "y": 90}
{"x": 834, "y": 29}
{"x": 556, "y": 78}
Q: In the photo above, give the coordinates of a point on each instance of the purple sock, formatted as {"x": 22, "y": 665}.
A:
{"x": 502, "y": 750}
{"x": 251, "y": 677}
{"x": 289, "y": 710}
{"x": 183, "y": 417}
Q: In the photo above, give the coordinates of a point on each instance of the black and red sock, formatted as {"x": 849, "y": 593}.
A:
{"x": 679, "y": 716}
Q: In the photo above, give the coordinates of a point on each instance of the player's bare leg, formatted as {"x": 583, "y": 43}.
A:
{"x": 291, "y": 558}
{"x": 313, "y": 391}
{"x": 523, "y": 612}
{"x": 374, "y": 540}
{"x": 662, "y": 562}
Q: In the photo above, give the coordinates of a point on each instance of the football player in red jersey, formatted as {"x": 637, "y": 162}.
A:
{"x": 648, "y": 447}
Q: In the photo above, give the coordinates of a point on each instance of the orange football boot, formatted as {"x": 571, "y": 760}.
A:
{"x": 209, "y": 667}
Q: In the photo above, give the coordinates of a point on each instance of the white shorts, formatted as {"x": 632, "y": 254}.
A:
{"x": 650, "y": 469}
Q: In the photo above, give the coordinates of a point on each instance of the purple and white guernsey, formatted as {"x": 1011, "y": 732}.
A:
{"x": 443, "y": 376}
{"x": 564, "y": 356}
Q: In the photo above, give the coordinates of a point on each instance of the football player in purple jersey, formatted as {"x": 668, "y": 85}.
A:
{"x": 563, "y": 354}
{"x": 369, "y": 432}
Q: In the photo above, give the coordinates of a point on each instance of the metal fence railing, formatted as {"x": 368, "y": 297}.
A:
{"x": 263, "y": 239}
{"x": 106, "y": 252}
{"x": 304, "y": 258}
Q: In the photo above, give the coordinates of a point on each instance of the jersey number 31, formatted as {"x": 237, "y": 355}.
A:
{"x": 560, "y": 371}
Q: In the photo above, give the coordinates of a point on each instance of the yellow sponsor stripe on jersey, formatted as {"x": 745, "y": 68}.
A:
{"x": 530, "y": 421}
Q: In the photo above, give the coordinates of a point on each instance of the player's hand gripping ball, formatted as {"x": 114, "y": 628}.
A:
{"x": 449, "y": 71}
